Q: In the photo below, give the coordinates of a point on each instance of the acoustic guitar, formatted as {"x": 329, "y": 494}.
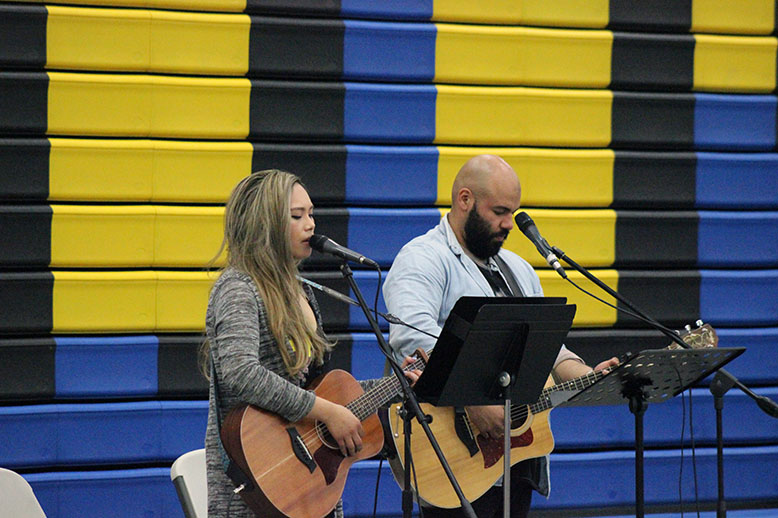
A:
{"x": 477, "y": 461}
{"x": 296, "y": 469}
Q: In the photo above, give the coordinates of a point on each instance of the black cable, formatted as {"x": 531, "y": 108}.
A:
{"x": 377, "y": 482}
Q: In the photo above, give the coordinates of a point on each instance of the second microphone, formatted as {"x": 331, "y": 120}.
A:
{"x": 326, "y": 245}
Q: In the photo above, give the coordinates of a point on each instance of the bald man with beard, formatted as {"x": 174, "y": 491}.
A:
{"x": 464, "y": 256}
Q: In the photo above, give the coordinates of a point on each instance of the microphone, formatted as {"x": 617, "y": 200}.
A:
{"x": 528, "y": 228}
{"x": 328, "y": 246}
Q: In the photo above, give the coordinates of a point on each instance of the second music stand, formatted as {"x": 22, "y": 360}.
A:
{"x": 651, "y": 376}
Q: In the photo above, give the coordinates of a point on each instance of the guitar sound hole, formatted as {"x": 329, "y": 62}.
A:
{"x": 518, "y": 418}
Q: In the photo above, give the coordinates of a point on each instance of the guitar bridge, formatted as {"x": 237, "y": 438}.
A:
{"x": 300, "y": 449}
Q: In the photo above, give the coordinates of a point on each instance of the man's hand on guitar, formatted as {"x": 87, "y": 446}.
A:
{"x": 412, "y": 374}
{"x": 490, "y": 420}
{"x": 605, "y": 366}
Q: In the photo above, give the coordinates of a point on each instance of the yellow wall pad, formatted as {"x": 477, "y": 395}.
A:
{"x": 734, "y": 63}
{"x": 141, "y": 105}
{"x": 134, "y": 236}
{"x": 138, "y": 301}
{"x": 146, "y": 170}
{"x": 726, "y": 16}
{"x": 588, "y": 235}
{"x": 503, "y": 115}
{"x": 480, "y": 54}
{"x": 591, "y": 234}
{"x": 146, "y": 41}
{"x": 560, "y": 13}
{"x": 585, "y": 175}
{"x": 590, "y": 311}
{"x": 228, "y": 6}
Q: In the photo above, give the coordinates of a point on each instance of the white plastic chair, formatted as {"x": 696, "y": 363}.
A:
{"x": 17, "y": 497}
{"x": 188, "y": 475}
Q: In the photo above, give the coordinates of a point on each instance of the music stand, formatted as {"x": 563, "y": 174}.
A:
{"x": 495, "y": 351}
{"x": 651, "y": 376}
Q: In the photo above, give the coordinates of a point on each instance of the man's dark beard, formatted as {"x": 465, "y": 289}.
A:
{"x": 478, "y": 238}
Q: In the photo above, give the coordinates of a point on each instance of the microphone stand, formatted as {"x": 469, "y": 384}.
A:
{"x": 411, "y": 404}
{"x": 722, "y": 382}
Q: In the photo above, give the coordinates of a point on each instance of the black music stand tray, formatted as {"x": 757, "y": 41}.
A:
{"x": 496, "y": 351}
{"x": 651, "y": 376}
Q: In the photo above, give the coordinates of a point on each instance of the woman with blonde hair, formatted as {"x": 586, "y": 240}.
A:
{"x": 264, "y": 337}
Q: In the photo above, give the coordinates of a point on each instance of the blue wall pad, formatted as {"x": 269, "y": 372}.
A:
{"x": 381, "y": 233}
{"x": 759, "y": 364}
{"x": 739, "y": 297}
{"x": 737, "y": 180}
{"x": 608, "y": 479}
{"x": 737, "y": 239}
{"x": 392, "y": 175}
{"x": 147, "y": 493}
{"x": 389, "y": 113}
{"x": 396, "y": 10}
{"x": 100, "y": 433}
{"x": 745, "y": 122}
{"x": 398, "y": 51}
{"x": 612, "y": 427}
{"x": 106, "y": 366}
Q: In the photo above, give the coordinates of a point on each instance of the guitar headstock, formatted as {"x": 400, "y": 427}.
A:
{"x": 701, "y": 337}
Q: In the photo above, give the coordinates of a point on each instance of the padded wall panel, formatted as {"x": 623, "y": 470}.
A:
{"x": 654, "y": 179}
{"x": 100, "y": 433}
{"x": 120, "y": 492}
{"x": 23, "y": 103}
{"x": 379, "y": 51}
{"x": 610, "y": 477}
{"x": 744, "y": 422}
{"x": 26, "y": 302}
{"x": 666, "y": 120}
{"x": 22, "y": 36}
{"x": 25, "y": 166}
{"x": 26, "y": 231}
{"x": 735, "y": 122}
{"x": 652, "y": 62}
{"x": 105, "y": 366}
{"x": 289, "y": 47}
{"x": 658, "y": 238}
{"x": 296, "y": 111}
{"x": 27, "y": 371}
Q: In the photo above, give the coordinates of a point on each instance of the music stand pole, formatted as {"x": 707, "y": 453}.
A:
{"x": 718, "y": 387}
{"x": 410, "y": 396}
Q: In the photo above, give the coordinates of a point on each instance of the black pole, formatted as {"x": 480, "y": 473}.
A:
{"x": 718, "y": 387}
{"x": 411, "y": 403}
{"x": 638, "y": 408}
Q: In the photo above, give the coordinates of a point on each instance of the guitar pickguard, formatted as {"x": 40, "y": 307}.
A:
{"x": 329, "y": 462}
{"x": 492, "y": 450}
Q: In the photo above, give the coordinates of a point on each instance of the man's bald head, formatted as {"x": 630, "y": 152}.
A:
{"x": 486, "y": 175}
{"x": 485, "y": 195}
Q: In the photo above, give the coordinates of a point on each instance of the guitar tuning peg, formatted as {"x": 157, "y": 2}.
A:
{"x": 688, "y": 327}
{"x": 699, "y": 323}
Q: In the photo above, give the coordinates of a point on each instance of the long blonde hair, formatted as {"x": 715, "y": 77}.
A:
{"x": 256, "y": 237}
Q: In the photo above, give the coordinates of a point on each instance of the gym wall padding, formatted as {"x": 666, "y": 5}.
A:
{"x": 643, "y": 133}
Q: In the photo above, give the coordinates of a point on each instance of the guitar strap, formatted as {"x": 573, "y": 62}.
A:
{"x": 230, "y": 468}
{"x": 513, "y": 284}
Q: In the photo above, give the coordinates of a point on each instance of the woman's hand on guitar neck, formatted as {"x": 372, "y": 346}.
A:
{"x": 413, "y": 374}
{"x": 344, "y": 427}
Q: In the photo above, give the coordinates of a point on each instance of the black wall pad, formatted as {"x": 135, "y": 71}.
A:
{"x": 25, "y": 169}
{"x": 26, "y": 302}
{"x": 293, "y": 47}
{"x": 22, "y": 36}
{"x": 27, "y": 369}
{"x": 26, "y": 231}
{"x": 647, "y": 180}
{"x": 666, "y": 238}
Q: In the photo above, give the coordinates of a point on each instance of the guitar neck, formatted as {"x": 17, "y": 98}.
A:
{"x": 577, "y": 384}
{"x": 384, "y": 391}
